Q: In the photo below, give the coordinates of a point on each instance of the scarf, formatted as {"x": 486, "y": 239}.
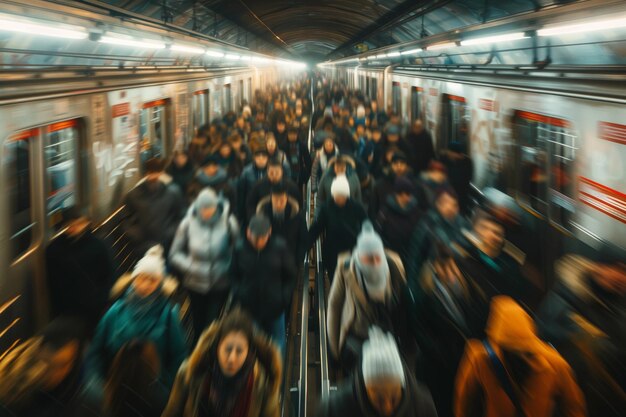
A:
{"x": 139, "y": 315}
{"x": 230, "y": 397}
{"x": 374, "y": 279}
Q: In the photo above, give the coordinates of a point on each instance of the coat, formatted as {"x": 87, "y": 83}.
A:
{"x": 151, "y": 217}
{"x": 249, "y": 177}
{"x": 395, "y": 225}
{"x": 292, "y": 227}
{"x": 263, "y": 189}
{"x": 123, "y": 323}
{"x": 263, "y": 282}
{"x": 587, "y": 325}
{"x": 352, "y": 313}
{"x": 422, "y": 150}
{"x": 202, "y": 252}
{"x": 460, "y": 173}
{"x": 299, "y": 159}
{"x": 351, "y": 400}
{"x": 549, "y": 386}
{"x": 320, "y": 164}
{"x": 187, "y": 392}
{"x": 323, "y": 189}
{"x": 340, "y": 225}
{"x": 182, "y": 176}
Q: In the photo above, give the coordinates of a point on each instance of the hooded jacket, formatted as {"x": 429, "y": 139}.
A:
{"x": 202, "y": 251}
{"x": 323, "y": 189}
{"x": 351, "y": 312}
{"x": 549, "y": 385}
{"x": 188, "y": 387}
{"x": 351, "y": 400}
{"x": 291, "y": 227}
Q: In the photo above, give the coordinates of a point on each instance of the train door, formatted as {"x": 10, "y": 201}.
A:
{"x": 455, "y": 117}
{"x": 241, "y": 94}
{"x": 228, "y": 99}
{"x": 374, "y": 89}
{"x": 416, "y": 103}
{"x": 249, "y": 90}
{"x": 200, "y": 106}
{"x": 396, "y": 97}
{"x": 154, "y": 130}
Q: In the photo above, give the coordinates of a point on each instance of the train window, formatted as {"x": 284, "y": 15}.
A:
{"x": 374, "y": 89}
{"x": 547, "y": 150}
{"x": 18, "y": 191}
{"x": 416, "y": 96}
{"x": 368, "y": 81}
{"x": 228, "y": 99}
{"x": 455, "y": 123}
{"x": 396, "y": 97}
{"x": 241, "y": 97}
{"x": 200, "y": 108}
{"x": 153, "y": 130}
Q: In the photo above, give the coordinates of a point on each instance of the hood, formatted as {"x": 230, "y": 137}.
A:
{"x": 221, "y": 215}
{"x": 265, "y": 206}
{"x": 351, "y": 164}
{"x": 509, "y": 327}
{"x": 267, "y": 355}
{"x": 219, "y": 177}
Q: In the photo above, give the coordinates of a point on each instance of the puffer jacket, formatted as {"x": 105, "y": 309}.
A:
{"x": 549, "y": 387}
{"x": 202, "y": 252}
{"x": 187, "y": 392}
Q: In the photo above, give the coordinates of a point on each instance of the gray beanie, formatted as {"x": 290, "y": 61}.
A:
{"x": 381, "y": 358}
{"x": 375, "y": 277}
{"x": 207, "y": 198}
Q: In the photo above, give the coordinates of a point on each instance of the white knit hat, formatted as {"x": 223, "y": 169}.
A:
{"x": 340, "y": 187}
{"x": 381, "y": 358}
{"x": 152, "y": 263}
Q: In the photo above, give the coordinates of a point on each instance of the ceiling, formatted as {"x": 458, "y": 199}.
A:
{"x": 316, "y": 30}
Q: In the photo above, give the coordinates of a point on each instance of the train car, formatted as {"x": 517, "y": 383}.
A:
{"x": 83, "y": 145}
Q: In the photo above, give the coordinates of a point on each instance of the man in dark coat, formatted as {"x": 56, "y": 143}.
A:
{"x": 460, "y": 171}
{"x": 287, "y": 220}
{"x": 384, "y": 187}
{"x": 153, "y": 210}
{"x": 264, "y": 276}
{"x": 422, "y": 149}
{"x": 298, "y": 156}
{"x": 181, "y": 170}
{"x": 213, "y": 176}
{"x": 252, "y": 173}
{"x": 262, "y": 189}
{"x": 340, "y": 219}
{"x": 80, "y": 271}
{"x": 431, "y": 183}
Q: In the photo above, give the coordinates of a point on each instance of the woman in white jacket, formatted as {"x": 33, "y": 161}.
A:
{"x": 201, "y": 254}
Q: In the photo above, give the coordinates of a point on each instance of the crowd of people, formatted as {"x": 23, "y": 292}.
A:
{"x": 429, "y": 311}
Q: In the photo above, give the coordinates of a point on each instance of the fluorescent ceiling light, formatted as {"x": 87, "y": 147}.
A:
{"x": 494, "y": 39}
{"x": 216, "y": 54}
{"x": 380, "y": 56}
{"x": 246, "y": 58}
{"x": 583, "y": 27}
{"x": 371, "y": 57}
{"x": 412, "y": 51}
{"x": 116, "y": 39}
{"x": 392, "y": 54}
{"x": 233, "y": 57}
{"x": 185, "y": 48}
{"x": 439, "y": 46}
{"x": 9, "y": 24}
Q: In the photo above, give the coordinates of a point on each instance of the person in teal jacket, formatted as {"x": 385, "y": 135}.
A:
{"x": 143, "y": 313}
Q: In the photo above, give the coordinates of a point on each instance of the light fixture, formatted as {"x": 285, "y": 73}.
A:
{"x": 215, "y": 54}
{"x": 411, "y": 51}
{"x": 583, "y": 27}
{"x": 246, "y": 58}
{"x": 493, "y": 39}
{"x": 392, "y": 54}
{"x": 11, "y": 24}
{"x": 118, "y": 39}
{"x": 185, "y": 48}
{"x": 233, "y": 57}
{"x": 439, "y": 46}
{"x": 371, "y": 57}
{"x": 381, "y": 56}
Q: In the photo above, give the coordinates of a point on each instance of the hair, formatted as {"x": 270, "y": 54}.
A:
{"x": 446, "y": 191}
{"x": 61, "y": 331}
{"x": 340, "y": 160}
{"x": 274, "y": 162}
{"x": 154, "y": 165}
{"x": 237, "y": 321}
{"x": 134, "y": 368}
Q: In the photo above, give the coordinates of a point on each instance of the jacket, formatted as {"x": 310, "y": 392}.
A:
{"x": 350, "y": 312}
{"x": 187, "y": 392}
{"x": 396, "y": 224}
{"x": 323, "y": 189}
{"x": 351, "y": 400}
{"x": 422, "y": 150}
{"x": 320, "y": 164}
{"x": 587, "y": 324}
{"x": 218, "y": 183}
{"x": 299, "y": 159}
{"x": 263, "y": 188}
{"x": 182, "y": 176}
{"x": 292, "y": 227}
{"x": 151, "y": 216}
{"x": 549, "y": 385}
{"x": 202, "y": 252}
{"x": 263, "y": 282}
{"x": 460, "y": 173}
{"x": 249, "y": 177}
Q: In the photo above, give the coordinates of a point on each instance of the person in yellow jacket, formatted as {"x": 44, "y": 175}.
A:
{"x": 512, "y": 373}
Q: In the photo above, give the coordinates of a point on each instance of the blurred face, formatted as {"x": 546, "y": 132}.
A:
{"x": 399, "y": 168}
{"x": 403, "y": 199}
{"x": 181, "y": 159}
{"x": 447, "y": 206}
{"x": 258, "y": 242}
{"x": 385, "y": 396}
{"x": 376, "y": 135}
{"x": 225, "y": 151}
{"x": 437, "y": 176}
{"x": 271, "y": 145}
{"x": 417, "y": 127}
{"x": 146, "y": 284}
{"x": 207, "y": 212}
{"x": 393, "y": 138}
{"x": 232, "y": 352}
{"x": 77, "y": 226}
{"x": 292, "y": 136}
{"x": 340, "y": 200}
{"x": 59, "y": 363}
{"x": 211, "y": 169}
{"x": 340, "y": 168}
{"x": 360, "y": 130}
{"x": 611, "y": 277}
{"x": 447, "y": 270}
{"x": 153, "y": 176}
{"x": 260, "y": 160}
{"x": 280, "y": 127}
{"x": 275, "y": 173}
{"x": 240, "y": 123}
{"x": 490, "y": 233}
{"x": 371, "y": 259}
{"x": 329, "y": 146}
{"x": 279, "y": 202}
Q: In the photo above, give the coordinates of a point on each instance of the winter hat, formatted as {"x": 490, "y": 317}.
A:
{"x": 381, "y": 358}
{"x": 206, "y": 199}
{"x": 259, "y": 225}
{"x": 375, "y": 277}
{"x": 393, "y": 130}
{"x": 340, "y": 187}
{"x": 246, "y": 109}
{"x": 403, "y": 185}
{"x": 360, "y": 112}
{"x": 152, "y": 263}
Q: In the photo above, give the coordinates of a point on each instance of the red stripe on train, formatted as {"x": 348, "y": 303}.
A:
{"x": 612, "y": 132}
